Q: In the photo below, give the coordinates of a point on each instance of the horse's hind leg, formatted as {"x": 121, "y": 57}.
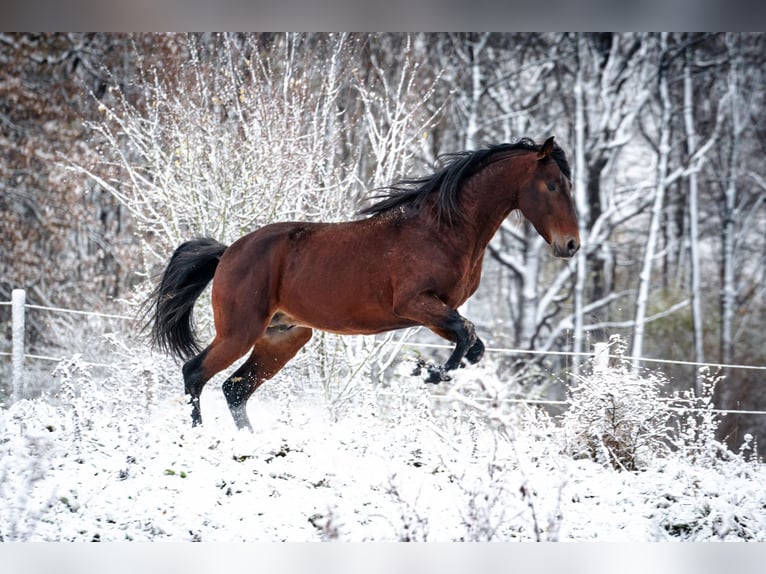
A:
{"x": 197, "y": 371}
{"x": 270, "y": 353}
{"x": 193, "y": 384}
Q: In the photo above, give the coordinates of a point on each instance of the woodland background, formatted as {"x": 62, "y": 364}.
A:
{"x": 114, "y": 148}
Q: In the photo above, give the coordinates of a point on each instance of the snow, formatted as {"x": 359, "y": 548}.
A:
{"x": 108, "y": 461}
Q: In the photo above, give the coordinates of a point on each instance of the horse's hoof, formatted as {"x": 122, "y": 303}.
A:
{"x": 475, "y": 353}
{"x": 436, "y": 375}
{"x": 418, "y": 368}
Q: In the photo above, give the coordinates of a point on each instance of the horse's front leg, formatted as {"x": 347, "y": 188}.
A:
{"x": 476, "y": 352}
{"x": 430, "y": 311}
{"x": 463, "y": 332}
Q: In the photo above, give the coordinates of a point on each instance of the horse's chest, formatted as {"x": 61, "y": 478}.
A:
{"x": 465, "y": 285}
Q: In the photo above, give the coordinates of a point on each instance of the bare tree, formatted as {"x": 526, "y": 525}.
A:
{"x": 694, "y": 234}
{"x": 663, "y": 155}
{"x": 730, "y": 203}
{"x": 580, "y": 186}
{"x": 256, "y": 137}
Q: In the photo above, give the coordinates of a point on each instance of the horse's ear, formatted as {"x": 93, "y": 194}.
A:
{"x": 546, "y": 149}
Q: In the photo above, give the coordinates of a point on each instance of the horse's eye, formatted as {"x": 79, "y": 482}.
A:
{"x": 551, "y": 187}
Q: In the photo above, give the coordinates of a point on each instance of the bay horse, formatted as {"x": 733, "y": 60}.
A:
{"x": 413, "y": 260}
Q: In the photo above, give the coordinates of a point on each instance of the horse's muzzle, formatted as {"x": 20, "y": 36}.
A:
{"x": 566, "y": 249}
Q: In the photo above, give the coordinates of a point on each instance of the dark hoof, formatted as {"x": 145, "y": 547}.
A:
{"x": 436, "y": 375}
{"x": 475, "y": 353}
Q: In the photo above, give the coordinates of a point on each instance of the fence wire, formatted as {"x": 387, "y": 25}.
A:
{"x": 498, "y": 350}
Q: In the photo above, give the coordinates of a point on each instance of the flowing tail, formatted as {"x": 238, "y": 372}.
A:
{"x": 170, "y": 305}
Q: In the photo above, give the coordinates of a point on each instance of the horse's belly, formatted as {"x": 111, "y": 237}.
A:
{"x": 360, "y": 319}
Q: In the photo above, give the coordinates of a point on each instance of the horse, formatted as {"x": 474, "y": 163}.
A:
{"x": 413, "y": 259}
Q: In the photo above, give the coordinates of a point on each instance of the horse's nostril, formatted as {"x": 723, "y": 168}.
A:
{"x": 572, "y": 246}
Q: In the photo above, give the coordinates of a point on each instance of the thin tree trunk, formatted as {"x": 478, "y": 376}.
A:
{"x": 581, "y": 199}
{"x": 694, "y": 263}
{"x": 472, "y": 57}
{"x": 728, "y": 288}
{"x": 529, "y": 295}
{"x": 645, "y": 277}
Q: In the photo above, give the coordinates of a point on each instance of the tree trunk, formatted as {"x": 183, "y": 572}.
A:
{"x": 528, "y": 316}
{"x": 728, "y": 288}
{"x": 694, "y": 256}
{"x": 581, "y": 199}
{"x": 645, "y": 277}
{"x": 471, "y": 56}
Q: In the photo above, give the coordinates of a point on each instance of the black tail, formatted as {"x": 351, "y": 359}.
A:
{"x": 190, "y": 269}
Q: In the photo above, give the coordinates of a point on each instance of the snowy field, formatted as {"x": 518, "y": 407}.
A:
{"x": 104, "y": 460}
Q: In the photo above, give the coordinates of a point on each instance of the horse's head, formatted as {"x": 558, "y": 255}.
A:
{"x": 546, "y": 200}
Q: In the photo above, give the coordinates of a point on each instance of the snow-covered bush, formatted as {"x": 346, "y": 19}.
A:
{"x": 620, "y": 416}
{"x": 249, "y": 130}
{"x": 617, "y": 416}
{"x": 695, "y": 423}
{"x": 695, "y": 502}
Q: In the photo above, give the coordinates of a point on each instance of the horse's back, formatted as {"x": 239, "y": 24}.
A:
{"x": 316, "y": 274}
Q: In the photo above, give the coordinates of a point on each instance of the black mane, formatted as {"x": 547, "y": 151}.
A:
{"x": 447, "y": 180}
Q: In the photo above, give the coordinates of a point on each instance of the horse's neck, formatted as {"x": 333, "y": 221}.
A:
{"x": 486, "y": 200}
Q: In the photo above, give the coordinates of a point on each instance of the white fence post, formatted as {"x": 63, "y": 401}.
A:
{"x": 18, "y": 299}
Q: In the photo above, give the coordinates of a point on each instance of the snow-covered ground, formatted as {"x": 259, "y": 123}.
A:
{"x": 108, "y": 461}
